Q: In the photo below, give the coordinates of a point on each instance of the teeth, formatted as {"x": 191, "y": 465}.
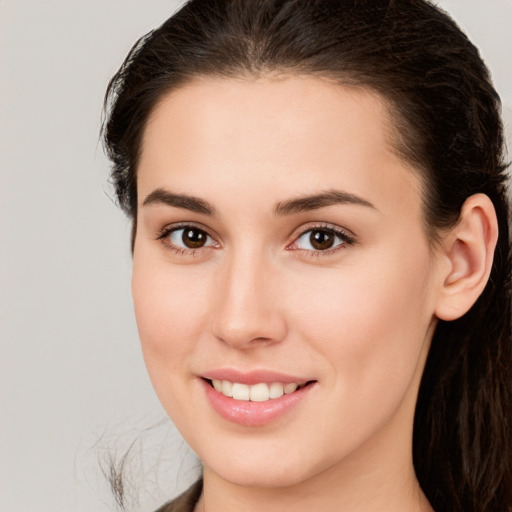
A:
{"x": 290, "y": 388}
{"x": 257, "y": 393}
{"x": 276, "y": 390}
{"x": 240, "y": 391}
{"x": 227, "y": 388}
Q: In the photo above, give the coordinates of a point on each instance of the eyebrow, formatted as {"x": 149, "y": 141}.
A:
{"x": 185, "y": 202}
{"x": 316, "y": 201}
{"x": 291, "y": 206}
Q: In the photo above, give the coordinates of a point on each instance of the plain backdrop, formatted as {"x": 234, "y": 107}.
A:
{"x": 73, "y": 387}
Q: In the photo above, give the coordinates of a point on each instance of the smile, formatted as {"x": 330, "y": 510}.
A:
{"x": 260, "y": 392}
{"x": 260, "y": 400}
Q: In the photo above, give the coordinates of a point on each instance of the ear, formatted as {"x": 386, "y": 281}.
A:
{"x": 469, "y": 252}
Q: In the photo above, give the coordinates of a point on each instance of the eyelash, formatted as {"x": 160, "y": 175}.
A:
{"x": 346, "y": 238}
{"x": 182, "y": 251}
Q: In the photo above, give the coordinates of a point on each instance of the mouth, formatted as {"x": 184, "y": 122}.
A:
{"x": 259, "y": 392}
{"x": 255, "y": 398}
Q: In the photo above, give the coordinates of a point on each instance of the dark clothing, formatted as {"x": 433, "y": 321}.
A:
{"x": 186, "y": 502}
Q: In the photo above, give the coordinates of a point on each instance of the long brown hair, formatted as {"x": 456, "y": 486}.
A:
{"x": 447, "y": 115}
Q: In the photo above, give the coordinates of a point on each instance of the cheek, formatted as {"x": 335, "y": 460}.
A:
{"x": 370, "y": 321}
{"x": 172, "y": 315}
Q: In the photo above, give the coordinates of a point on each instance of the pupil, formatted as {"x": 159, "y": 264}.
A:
{"x": 194, "y": 238}
{"x": 321, "y": 240}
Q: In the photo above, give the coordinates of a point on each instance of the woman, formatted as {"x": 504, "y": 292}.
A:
{"x": 321, "y": 258}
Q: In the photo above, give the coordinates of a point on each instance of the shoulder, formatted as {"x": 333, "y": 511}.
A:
{"x": 186, "y": 502}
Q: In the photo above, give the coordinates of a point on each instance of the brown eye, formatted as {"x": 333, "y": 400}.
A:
{"x": 321, "y": 240}
{"x": 194, "y": 238}
{"x": 189, "y": 237}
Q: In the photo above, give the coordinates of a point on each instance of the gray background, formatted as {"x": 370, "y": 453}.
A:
{"x": 73, "y": 387}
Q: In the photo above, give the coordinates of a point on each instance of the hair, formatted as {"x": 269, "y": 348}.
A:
{"x": 446, "y": 118}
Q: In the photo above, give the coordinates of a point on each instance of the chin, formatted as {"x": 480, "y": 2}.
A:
{"x": 262, "y": 478}
{"x": 264, "y": 467}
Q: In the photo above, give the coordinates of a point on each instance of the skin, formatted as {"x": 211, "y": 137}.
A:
{"x": 358, "y": 319}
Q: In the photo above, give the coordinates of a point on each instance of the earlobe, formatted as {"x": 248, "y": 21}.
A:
{"x": 469, "y": 249}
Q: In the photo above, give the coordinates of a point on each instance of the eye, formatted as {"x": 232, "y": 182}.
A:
{"x": 185, "y": 238}
{"x": 321, "y": 239}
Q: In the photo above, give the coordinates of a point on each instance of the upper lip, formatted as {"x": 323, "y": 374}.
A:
{"x": 253, "y": 377}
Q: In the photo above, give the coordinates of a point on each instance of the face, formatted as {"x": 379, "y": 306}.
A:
{"x": 280, "y": 244}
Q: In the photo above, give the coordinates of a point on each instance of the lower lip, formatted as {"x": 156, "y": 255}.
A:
{"x": 253, "y": 414}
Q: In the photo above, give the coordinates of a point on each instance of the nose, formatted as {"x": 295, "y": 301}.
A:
{"x": 249, "y": 305}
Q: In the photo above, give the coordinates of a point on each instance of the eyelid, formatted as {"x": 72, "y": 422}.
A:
{"x": 347, "y": 236}
{"x": 163, "y": 234}
{"x": 174, "y": 226}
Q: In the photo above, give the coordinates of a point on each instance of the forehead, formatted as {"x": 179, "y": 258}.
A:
{"x": 262, "y": 108}
{"x": 276, "y": 136}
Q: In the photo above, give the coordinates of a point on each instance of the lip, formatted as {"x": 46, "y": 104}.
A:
{"x": 253, "y": 414}
{"x": 253, "y": 377}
